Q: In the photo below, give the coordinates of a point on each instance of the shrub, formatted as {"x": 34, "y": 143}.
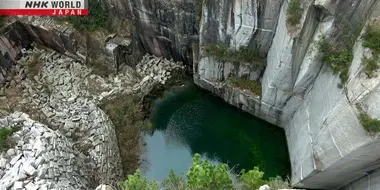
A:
{"x": 5, "y": 133}
{"x": 138, "y": 182}
{"x": 243, "y": 54}
{"x": 294, "y": 12}
{"x": 370, "y": 65}
{"x": 372, "y": 38}
{"x": 369, "y": 124}
{"x": 252, "y": 85}
{"x": 339, "y": 58}
{"x": 203, "y": 175}
{"x": 278, "y": 183}
{"x": 174, "y": 181}
{"x": 97, "y": 18}
{"x": 128, "y": 118}
{"x": 252, "y": 179}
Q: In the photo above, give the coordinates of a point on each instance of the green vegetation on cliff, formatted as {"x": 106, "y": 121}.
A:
{"x": 337, "y": 50}
{"x": 370, "y": 65}
{"x": 98, "y": 18}
{"x": 203, "y": 175}
{"x": 223, "y": 53}
{"x": 338, "y": 58}
{"x": 372, "y": 40}
{"x": 251, "y": 85}
{"x": 294, "y": 12}
{"x": 369, "y": 124}
{"x": 5, "y": 133}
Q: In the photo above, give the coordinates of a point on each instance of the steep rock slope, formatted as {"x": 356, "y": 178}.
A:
{"x": 163, "y": 28}
{"x": 327, "y": 144}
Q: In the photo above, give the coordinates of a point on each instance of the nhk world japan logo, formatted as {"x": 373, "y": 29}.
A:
{"x": 44, "y": 8}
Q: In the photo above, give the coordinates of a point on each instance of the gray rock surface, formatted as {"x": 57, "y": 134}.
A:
{"x": 326, "y": 141}
{"x": 369, "y": 181}
{"x": 164, "y": 28}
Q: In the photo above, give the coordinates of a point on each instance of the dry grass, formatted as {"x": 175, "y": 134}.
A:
{"x": 11, "y": 102}
{"x": 94, "y": 60}
{"x": 128, "y": 118}
{"x": 251, "y": 85}
{"x": 34, "y": 65}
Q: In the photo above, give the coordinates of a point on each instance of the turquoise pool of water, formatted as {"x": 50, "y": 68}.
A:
{"x": 190, "y": 120}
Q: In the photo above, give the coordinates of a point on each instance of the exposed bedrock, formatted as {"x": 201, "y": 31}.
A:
{"x": 328, "y": 146}
{"x": 162, "y": 28}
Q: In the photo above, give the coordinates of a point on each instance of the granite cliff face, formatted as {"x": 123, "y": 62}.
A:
{"x": 163, "y": 28}
{"x": 328, "y": 146}
{"x": 329, "y": 149}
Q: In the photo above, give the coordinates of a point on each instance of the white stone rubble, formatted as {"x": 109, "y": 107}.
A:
{"x": 79, "y": 145}
{"x": 43, "y": 160}
{"x": 155, "y": 70}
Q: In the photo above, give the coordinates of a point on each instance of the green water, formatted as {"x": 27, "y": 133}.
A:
{"x": 190, "y": 120}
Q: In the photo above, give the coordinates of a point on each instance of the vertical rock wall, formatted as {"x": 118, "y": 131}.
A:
{"x": 299, "y": 93}
{"x": 165, "y": 28}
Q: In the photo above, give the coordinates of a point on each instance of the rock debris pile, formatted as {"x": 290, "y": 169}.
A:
{"x": 42, "y": 158}
{"x": 155, "y": 70}
{"x": 77, "y": 149}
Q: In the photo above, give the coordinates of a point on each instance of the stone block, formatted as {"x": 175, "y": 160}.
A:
{"x": 3, "y": 162}
{"x": 42, "y": 172}
{"x": 18, "y": 185}
{"x": 30, "y": 170}
{"x": 31, "y": 186}
{"x": 11, "y": 152}
{"x": 15, "y": 159}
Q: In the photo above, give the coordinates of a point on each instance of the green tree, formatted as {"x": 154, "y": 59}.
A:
{"x": 252, "y": 179}
{"x": 137, "y": 182}
{"x": 98, "y": 17}
{"x": 174, "y": 181}
{"x": 204, "y": 175}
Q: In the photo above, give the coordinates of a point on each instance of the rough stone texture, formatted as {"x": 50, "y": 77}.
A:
{"x": 68, "y": 95}
{"x": 44, "y": 158}
{"x": 110, "y": 51}
{"x": 69, "y": 108}
{"x": 14, "y": 37}
{"x": 154, "y": 70}
{"x": 164, "y": 28}
{"x": 240, "y": 23}
{"x": 327, "y": 144}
